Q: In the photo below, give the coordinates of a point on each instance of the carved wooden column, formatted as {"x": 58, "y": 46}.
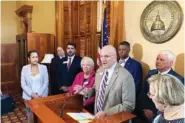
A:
{"x": 25, "y": 14}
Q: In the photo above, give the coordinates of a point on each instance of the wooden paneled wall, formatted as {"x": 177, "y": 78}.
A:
{"x": 77, "y": 21}
{"x": 42, "y": 42}
{"x": 9, "y": 83}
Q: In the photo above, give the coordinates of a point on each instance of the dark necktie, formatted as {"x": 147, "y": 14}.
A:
{"x": 101, "y": 94}
{"x": 69, "y": 64}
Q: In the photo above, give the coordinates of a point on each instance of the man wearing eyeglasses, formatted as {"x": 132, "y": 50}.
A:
{"x": 145, "y": 108}
{"x": 114, "y": 86}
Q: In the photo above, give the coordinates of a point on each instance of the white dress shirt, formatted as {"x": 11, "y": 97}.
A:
{"x": 165, "y": 72}
{"x": 110, "y": 72}
{"x": 72, "y": 57}
{"x": 123, "y": 63}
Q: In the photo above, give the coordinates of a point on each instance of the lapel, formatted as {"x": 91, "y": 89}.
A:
{"x": 99, "y": 77}
{"x": 64, "y": 62}
{"x": 112, "y": 80}
{"x": 128, "y": 62}
{"x": 29, "y": 72}
{"x": 90, "y": 77}
{"x": 171, "y": 72}
{"x": 40, "y": 70}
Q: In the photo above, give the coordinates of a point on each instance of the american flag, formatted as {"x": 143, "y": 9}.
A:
{"x": 104, "y": 38}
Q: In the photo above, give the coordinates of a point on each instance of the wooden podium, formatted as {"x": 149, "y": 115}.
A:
{"x": 48, "y": 110}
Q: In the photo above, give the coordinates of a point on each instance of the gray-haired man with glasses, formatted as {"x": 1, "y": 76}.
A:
{"x": 114, "y": 86}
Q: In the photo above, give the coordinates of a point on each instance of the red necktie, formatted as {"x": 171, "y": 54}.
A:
{"x": 69, "y": 64}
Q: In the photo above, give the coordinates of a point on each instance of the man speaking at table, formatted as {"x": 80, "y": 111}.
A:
{"x": 114, "y": 86}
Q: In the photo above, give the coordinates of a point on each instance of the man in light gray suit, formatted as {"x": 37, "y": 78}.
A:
{"x": 114, "y": 86}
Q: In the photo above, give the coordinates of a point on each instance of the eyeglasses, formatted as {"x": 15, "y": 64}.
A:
{"x": 105, "y": 56}
{"x": 150, "y": 95}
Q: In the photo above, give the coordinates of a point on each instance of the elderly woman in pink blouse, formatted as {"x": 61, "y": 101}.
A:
{"x": 83, "y": 81}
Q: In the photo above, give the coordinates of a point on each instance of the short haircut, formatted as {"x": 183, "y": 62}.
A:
{"x": 169, "y": 54}
{"x": 32, "y": 51}
{"x": 110, "y": 49}
{"x": 125, "y": 43}
{"x": 169, "y": 89}
{"x": 88, "y": 60}
{"x": 72, "y": 44}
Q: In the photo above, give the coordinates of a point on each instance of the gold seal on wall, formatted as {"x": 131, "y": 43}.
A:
{"x": 161, "y": 20}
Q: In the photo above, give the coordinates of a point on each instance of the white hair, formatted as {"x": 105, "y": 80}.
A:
{"x": 88, "y": 60}
{"x": 169, "y": 54}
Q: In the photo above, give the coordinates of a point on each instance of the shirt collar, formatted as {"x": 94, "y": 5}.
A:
{"x": 165, "y": 72}
{"x": 111, "y": 68}
{"x": 72, "y": 57}
{"x": 126, "y": 59}
{"x": 61, "y": 56}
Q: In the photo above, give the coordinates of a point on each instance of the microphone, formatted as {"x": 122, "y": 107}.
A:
{"x": 67, "y": 99}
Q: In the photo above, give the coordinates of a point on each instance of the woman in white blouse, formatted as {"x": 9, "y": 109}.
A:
{"x": 34, "y": 80}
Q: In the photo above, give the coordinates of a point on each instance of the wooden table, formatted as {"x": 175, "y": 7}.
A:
{"x": 47, "y": 110}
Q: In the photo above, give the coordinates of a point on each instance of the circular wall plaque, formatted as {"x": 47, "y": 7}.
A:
{"x": 161, "y": 20}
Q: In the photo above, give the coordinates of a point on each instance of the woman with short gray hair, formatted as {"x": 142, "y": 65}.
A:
{"x": 84, "y": 81}
{"x": 167, "y": 93}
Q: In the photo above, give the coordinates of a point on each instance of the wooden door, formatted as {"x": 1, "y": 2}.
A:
{"x": 9, "y": 83}
{"x": 76, "y": 21}
{"x": 43, "y": 43}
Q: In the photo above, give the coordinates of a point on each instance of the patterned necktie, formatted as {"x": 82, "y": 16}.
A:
{"x": 101, "y": 93}
{"x": 69, "y": 64}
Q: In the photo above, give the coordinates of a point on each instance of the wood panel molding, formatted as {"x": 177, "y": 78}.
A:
{"x": 77, "y": 21}
{"x": 9, "y": 83}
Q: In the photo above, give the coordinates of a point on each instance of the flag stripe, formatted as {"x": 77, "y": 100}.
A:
{"x": 104, "y": 38}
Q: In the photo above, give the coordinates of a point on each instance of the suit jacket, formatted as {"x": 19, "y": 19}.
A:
{"x": 79, "y": 81}
{"x": 54, "y": 65}
{"x": 135, "y": 68}
{"x": 65, "y": 77}
{"x": 26, "y": 81}
{"x": 120, "y": 92}
{"x": 143, "y": 101}
{"x": 54, "y": 62}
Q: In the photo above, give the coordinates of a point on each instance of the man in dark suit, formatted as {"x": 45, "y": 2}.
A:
{"x": 54, "y": 64}
{"x": 68, "y": 68}
{"x": 133, "y": 66}
{"x": 145, "y": 108}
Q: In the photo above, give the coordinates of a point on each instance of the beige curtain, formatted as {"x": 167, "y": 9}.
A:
{"x": 116, "y": 22}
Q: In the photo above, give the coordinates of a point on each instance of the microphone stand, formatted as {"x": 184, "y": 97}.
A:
{"x": 65, "y": 103}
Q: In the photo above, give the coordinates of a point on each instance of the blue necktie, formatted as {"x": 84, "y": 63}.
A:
{"x": 101, "y": 94}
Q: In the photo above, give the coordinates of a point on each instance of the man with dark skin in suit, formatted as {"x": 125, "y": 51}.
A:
{"x": 133, "y": 66}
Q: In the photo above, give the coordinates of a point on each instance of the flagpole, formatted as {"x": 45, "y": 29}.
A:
{"x": 103, "y": 10}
